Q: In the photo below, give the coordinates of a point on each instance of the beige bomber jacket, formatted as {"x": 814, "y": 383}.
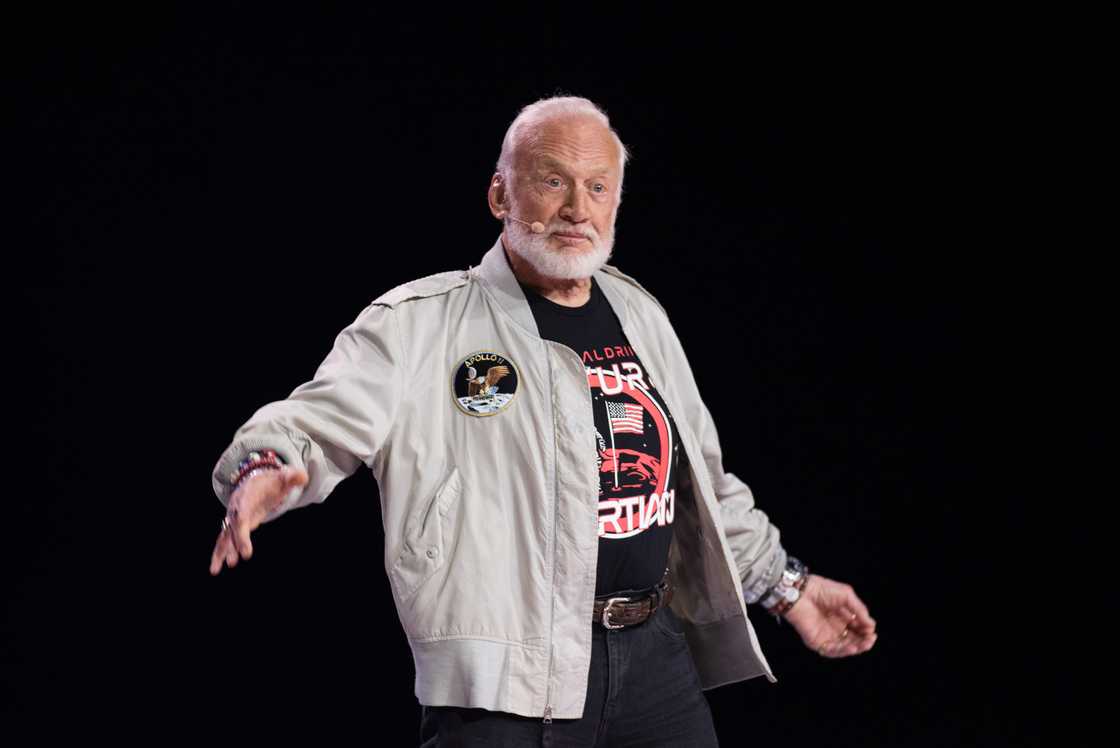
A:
{"x": 491, "y": 523}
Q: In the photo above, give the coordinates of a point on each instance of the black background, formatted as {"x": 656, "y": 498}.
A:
{"x": 211, "y": 198}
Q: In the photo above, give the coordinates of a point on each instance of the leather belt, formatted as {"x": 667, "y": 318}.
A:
{"x": 618, "y": 612}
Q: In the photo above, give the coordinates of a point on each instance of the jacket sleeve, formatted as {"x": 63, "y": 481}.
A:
{"x": 333, "y": 423}
{"x": 754, "y": 539}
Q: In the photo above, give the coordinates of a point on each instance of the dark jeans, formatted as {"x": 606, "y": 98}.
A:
{"x": 642, "y": 690}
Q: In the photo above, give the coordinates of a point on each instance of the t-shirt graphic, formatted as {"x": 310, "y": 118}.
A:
{"x": 635, "y": 447}
{"x": 634, "y": 444}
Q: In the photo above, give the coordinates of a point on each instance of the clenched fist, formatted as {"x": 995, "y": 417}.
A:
{"x": 248, "y": 506}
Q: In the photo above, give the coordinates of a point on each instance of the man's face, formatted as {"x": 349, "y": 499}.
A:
{"x": 565, "y": 175}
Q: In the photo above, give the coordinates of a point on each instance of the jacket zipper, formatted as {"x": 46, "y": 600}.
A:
{"x": 552, "y": 611}
{"x": 552, "y": 623}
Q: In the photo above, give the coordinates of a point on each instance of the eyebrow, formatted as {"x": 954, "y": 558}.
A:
{"x": 549, "y": 162}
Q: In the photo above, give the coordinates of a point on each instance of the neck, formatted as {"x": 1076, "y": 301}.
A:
{"x": 564, "y": 291}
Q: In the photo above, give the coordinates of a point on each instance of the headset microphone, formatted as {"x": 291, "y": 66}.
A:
{"x": 536, "y": 226}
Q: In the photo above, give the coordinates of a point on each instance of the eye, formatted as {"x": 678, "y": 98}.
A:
{"x": 551, "y": 180}
{"x": 597, "y": 187}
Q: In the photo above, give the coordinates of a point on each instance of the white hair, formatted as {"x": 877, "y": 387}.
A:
{"x": 545, "y": 109}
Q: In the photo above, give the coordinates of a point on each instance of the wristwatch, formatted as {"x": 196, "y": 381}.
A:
{"x": 787, "y": 591}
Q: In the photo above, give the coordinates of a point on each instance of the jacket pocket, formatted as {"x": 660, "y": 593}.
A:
{"x": 424, "y": 552}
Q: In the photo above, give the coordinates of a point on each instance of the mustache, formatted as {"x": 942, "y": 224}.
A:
{"x": 591, "y": 234}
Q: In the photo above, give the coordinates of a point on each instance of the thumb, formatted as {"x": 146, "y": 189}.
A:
{"x": 293, "y": 476}
{"x": 290, "y": 479}
{"x": 280, "y": 484}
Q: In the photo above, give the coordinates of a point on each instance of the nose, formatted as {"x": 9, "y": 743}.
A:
{"x": 575, "y": 208}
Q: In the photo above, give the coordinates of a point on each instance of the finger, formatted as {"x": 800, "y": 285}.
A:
{"x": 863, "y": 616}
{"x": 241, "y": 535}
{"x": 294, "y": 476}
{"x": 230, "y": 552}
{"x": 847, "y": 647}
{"x": 246, "y": 545}
{"x": 861, "y": 644}
{"x": 236, "y": 524}
{"x": 857, "y": 621}
{"x": 855, "y": 648}
{"x": 216, "y": 556}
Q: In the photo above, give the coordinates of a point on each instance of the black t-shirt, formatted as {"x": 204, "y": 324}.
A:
{"x": 635, "y": 442}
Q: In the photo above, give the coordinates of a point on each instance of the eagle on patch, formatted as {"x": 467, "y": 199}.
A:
{"x": 481, "y": 386}
{"x": 488, "y": 392}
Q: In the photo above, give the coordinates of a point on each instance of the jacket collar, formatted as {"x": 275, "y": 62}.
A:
{"x": 495, "y": 272}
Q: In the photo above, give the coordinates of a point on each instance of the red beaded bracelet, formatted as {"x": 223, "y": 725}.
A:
{"x": 265, "y": 459}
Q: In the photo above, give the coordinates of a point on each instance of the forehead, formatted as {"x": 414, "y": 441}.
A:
{"x": 579, "y": 144}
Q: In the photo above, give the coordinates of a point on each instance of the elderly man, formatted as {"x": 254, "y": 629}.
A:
{"x": 567, "y": 554}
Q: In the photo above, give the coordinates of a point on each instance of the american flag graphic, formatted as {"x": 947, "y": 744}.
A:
{"x": 625, "y": 418}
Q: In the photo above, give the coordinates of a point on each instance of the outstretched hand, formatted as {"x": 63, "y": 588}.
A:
{"x": 248, "y": 506}
{"x": 831, "y": 619}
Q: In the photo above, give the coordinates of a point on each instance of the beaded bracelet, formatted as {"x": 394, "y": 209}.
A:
{"x": 779, "y": 608}
{"x": 783, "y": 603}
{"x": 265, "y": 459}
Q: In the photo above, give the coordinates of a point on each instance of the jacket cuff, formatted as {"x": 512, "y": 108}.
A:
{"x": 762, "y": 583}
{"x": 239, "y": 450}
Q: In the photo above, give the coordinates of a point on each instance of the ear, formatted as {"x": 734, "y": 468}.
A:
{"x": 496, "y": 196}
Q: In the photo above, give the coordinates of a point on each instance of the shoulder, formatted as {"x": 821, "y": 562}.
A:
{"x": 636, "y": 289}
{"x": 421, "y": 288}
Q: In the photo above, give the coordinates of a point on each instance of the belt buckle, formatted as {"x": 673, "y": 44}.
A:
{"x": 607, "y": 610}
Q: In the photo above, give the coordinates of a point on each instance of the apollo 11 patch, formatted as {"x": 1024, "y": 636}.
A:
{"x": 484, "y": 383}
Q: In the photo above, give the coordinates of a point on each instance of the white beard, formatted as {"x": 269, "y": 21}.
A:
{"x": 570, "y": 262}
